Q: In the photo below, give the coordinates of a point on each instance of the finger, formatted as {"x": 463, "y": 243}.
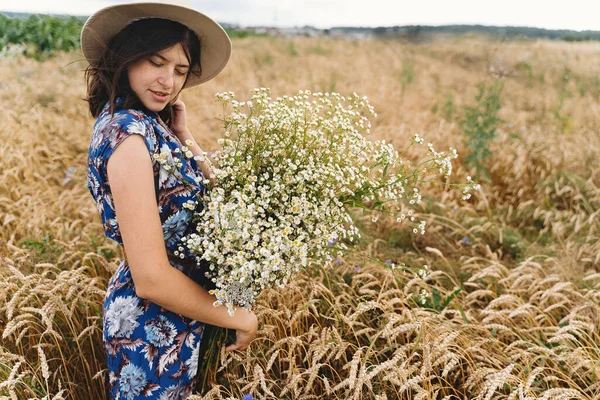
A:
{"x": 236, "y": 345}
{"x": 231, "y": 347}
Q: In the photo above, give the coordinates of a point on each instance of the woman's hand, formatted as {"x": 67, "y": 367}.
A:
{"x": 179, "y": 123}
{"x": 245, "y": 335}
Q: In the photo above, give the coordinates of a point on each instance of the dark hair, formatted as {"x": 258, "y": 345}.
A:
{"x": 108, "y": 79}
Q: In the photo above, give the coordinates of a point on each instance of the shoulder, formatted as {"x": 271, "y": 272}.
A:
{"x": 111, "y": 130}
{"x": 123, "y": 120}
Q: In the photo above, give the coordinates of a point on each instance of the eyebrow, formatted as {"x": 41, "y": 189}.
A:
{"x": 165, "y": 59}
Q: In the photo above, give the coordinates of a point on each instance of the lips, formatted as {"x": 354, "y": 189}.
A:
{"x": 162, "y": 94}
{"x": 161, "y": 98}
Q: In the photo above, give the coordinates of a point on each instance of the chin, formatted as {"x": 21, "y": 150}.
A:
{"x": 155, "y": 106}
{"x": 156, "y": 109}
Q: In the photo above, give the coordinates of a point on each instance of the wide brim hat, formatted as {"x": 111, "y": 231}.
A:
{"x": 104, "y": 24}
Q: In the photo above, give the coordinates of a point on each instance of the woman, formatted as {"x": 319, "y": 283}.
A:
{"x": 145, "y": 172}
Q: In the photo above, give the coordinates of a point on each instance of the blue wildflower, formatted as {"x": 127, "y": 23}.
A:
{"x": 465, "y": 240}
{"x": 248, "y": 397}
{"x": 357, "y": 268}
{"x": 388, "y": 261}
{"x": 68, "y": 174}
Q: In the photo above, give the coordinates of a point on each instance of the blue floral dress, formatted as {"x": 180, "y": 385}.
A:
{"x": 152, "y": 353}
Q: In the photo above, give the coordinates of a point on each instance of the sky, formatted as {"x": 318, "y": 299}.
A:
{"x": 549, "y": 14}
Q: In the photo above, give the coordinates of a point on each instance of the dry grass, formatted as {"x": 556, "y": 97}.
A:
{"x": 525, "y": 254}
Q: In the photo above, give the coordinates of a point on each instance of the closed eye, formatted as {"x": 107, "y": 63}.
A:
{"x": 180, "y": 73}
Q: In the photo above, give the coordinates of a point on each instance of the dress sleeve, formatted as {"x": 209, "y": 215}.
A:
{"x": 124, "y": 124}
{"x": 109, "y": 132}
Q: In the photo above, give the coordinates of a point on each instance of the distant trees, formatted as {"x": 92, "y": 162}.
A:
{"x": 414, "y": 31}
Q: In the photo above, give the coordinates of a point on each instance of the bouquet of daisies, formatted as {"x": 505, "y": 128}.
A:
{"x": 288, "y": 169}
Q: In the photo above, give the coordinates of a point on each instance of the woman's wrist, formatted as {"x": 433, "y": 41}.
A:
{"x": 183, "y": 136}
{"x": 248, "y": 320}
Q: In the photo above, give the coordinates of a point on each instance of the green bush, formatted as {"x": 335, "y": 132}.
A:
{"x": 448, "y": 108}
{"x": 407, "y": 74}
{"x": 43, "y": 34}
{"x": 479, "y": 126}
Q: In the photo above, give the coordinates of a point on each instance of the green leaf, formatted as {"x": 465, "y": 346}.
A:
{"x": 436, "y": 298}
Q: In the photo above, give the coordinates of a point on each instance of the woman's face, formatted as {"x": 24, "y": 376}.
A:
{"x": 158, "y": 78}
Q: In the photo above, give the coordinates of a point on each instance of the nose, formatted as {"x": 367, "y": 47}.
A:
{"x": 166, "y": 79}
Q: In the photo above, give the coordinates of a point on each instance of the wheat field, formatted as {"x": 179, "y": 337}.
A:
{"x": 509, "y": 306}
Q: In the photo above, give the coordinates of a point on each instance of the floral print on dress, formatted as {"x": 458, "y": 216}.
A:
{"x": 152, "y": 353}
{"x": 121, "y": 316}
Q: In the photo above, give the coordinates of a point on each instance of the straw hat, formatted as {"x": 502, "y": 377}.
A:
{"x": 104, "y": 24}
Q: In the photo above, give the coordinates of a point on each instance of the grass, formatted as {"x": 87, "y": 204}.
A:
{"x": 512, "y": 292}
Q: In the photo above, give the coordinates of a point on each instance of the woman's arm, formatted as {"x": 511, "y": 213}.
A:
{"x": 180, "y": 129}
{"x": 131, "y": 179}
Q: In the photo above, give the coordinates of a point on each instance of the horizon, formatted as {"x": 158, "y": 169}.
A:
{"x": 337, "y": 26}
